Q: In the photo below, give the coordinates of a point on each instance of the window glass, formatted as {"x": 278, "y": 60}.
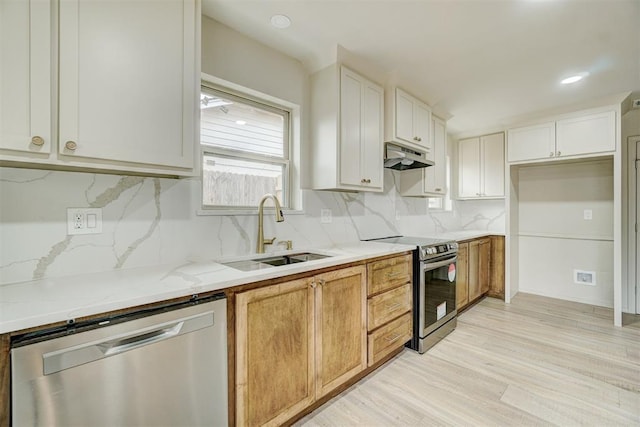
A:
{"x": 245, "y": 146}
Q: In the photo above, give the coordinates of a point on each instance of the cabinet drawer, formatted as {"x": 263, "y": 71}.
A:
{"x": 388, "y": 274}
{"x": 388, "y": 306}
{"x": 389, "y": 337}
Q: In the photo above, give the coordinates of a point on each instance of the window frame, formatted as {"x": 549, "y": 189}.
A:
{"x": 286, "y": 112}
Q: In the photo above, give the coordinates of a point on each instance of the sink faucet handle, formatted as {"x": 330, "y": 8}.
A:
{"x": 269, "y": 241}
{"x": 288, "y": 243}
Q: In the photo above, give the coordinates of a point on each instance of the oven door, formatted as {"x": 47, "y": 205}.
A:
{"x": 437, "y": 293}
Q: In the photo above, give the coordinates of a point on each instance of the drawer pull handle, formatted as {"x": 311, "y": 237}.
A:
{"x": 395, "y": 275}
{"x": 393, "y": 306}
{"x": 393, "y": 338}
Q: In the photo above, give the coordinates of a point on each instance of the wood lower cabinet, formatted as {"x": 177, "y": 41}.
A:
{"x": 462, "y": 276}
{"x": 480, "y": 270}
{"x": 297, "y": 341}
{"x": 496, "y": 282}
{"x": 390, "y": 304}
{"x": 274, "y": 352}
{"x": 341, "y": 332}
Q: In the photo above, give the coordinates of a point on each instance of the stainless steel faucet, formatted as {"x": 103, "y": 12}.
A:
{"x": 279, "y": 218}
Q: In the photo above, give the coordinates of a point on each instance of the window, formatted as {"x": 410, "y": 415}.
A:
{"x": 245, "y": 145}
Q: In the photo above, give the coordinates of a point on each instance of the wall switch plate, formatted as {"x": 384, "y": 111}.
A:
{"x": 84, "y": 221}
{"x": 325, "y": 216}
{"x": 582, "y": 277}
{"x": 588, "y": 214}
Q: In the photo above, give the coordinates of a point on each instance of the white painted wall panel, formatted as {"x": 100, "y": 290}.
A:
{"x": 553, "y": 199}
{"x": 546, "y": 268}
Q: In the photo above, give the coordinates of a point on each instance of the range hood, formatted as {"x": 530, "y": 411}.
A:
{"x": 401, "y": 158}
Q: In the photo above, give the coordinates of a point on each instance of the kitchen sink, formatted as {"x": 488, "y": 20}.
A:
{"x": 274, "y": 261}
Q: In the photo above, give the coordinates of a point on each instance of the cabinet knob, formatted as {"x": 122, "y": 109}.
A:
{"x": 37, "y": 140}
{"x": 365, "y": 181}
{"x": 415, "y": 138}
{"x": 70, "y": 145}
{"x": 558, "y": 153}
{"x": 551, "y": 154}
{"x": 419, "y": 139}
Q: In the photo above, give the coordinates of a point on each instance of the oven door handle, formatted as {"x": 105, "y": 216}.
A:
{"x": 433, "y": 266}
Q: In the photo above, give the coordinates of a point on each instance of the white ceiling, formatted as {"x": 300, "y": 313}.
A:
{"x": 479, "y": 63}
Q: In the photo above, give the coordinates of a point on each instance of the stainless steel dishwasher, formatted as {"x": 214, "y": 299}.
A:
{"x": 163, "y": 366}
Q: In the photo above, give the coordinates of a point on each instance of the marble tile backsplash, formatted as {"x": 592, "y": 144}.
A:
{"x": 150, "y": 221}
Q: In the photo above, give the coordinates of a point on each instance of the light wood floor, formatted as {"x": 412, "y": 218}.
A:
{"x": 536, "y": 361}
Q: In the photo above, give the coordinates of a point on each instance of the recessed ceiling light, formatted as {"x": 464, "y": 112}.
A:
{"x": 280, "y": 21}
{"x": 574, "y": 79}
{"x": 241, "y": 122}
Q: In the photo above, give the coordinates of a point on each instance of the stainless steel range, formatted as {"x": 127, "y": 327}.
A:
{"x": 434, "y": 289}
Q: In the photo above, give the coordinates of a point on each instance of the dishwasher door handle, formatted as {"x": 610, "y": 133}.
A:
{"x": 59, "y": 360}
{"x": 109, "y": 348}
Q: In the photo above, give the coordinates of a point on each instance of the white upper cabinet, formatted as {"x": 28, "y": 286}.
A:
{"x": 595, "y": 133}
{"x": 481, "y": 167}
{"x": 347, "y": 131}
{"x": 430, "y": 181}
{"x": 532, "y": 142}
{"x": 582, "y": 135}
{"x": 408, "y": 121}
{"x": 126, "y": 91}
{"x": 25, "y": 77}
{"x": 127, "y": 71}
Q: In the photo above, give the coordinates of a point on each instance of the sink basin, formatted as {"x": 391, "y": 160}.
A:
{"x": 274, "y": 261}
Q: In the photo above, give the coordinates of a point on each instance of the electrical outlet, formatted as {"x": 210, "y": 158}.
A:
{"x": 84, "y": 221}
{"x": 636, "y": 103}
{"x": 588, "y": 214}
{"x": 325, "y": 216}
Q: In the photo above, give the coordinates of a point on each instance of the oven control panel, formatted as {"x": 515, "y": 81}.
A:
{"x": 439, "y": 249}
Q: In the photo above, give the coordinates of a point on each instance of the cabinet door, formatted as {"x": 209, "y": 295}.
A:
{"x": 595, "y": 133}
{"x": 404, "y": 116}
{"x": 496, "y": 286}
{"x": 372, "y": 150}
{"x": 274, "y": 352}
{"x": 469, "y": 168}
{"x": 531, "y": 142}
{"x": 474, "y": 270}
{"x": 422, "y": 128}
{"x": 462, "y": 276}
{"x": 341, "y": 330}
{"x": 435, "y": 177}
{"x": 127, "y": 88}
{"x": 351, "y": 112}
{"x": 493, "y": 165}
{"x": 484, "y": 265}
{"x": 25, "y": 75}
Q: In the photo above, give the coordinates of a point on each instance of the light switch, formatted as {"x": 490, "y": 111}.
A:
{"x": 588, "y": 214}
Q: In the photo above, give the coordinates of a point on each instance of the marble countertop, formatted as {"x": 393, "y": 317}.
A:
{"x": 41, "y": 302}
